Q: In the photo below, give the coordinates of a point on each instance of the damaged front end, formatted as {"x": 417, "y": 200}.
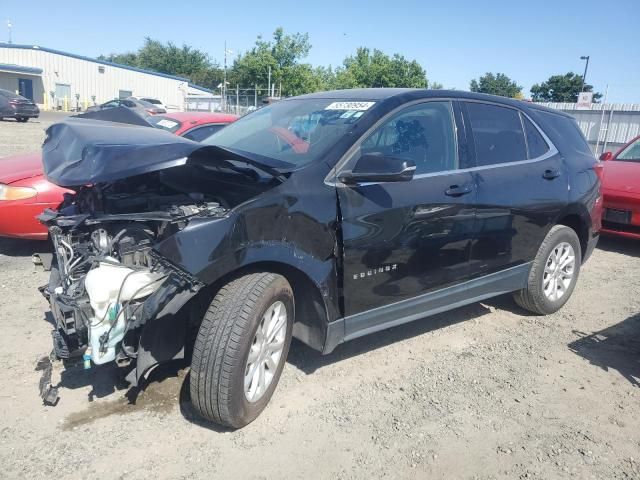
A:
{"x": 107, "y": 282}
{"x": 113, "y": 296}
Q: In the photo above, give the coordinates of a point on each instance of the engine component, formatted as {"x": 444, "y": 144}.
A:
{"x": 111, "y": 287}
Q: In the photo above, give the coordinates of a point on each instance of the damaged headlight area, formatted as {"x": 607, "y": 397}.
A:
{"x": 107, "y": 282}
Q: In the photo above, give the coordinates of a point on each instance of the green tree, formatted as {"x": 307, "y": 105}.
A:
{"x": 184, "y": 61}
{"x": 282, "y": 55}
{"x": 376, "y": 69}
{"x": 561, "y": 88}
{"x": 128, "y": 58}
{"x": 496, "y": 84}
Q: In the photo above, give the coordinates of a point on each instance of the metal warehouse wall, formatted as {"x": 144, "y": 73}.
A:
{"x": 84, "y": 78}
{"x": 606, "y": 125}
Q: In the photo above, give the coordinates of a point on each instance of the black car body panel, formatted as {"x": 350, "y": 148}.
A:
{"x": 87, "y": 149}
{"x": 360, "y": 257}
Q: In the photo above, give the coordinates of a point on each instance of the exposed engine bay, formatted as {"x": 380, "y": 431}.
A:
{"x": 106, "y": 281}
{"x": 115, "y": 294}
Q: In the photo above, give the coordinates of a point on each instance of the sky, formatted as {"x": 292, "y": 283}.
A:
{"x": 455, "y": 41}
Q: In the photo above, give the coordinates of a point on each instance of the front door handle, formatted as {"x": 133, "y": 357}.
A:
{"x": 458, "y": 190}
{"x": 550, "y": 174}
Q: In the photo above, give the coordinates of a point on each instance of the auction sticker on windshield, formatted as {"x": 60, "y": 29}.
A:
{"x": 358, "y": 106}
{"x": 167, "y": 123}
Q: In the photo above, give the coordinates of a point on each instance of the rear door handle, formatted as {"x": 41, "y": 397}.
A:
{"x": 458, "y": 190}
{"x": 550, "y": 174}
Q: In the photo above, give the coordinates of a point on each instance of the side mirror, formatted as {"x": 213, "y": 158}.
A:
{"x": 376, "y": 168}
{"x": 606, "y": 156}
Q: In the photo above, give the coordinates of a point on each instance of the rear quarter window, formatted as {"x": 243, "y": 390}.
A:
{"x": 566, "y": 129}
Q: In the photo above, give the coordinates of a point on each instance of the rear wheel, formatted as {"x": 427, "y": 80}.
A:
{"x": 241, "y": 348}
{"x": 553, "y": 274}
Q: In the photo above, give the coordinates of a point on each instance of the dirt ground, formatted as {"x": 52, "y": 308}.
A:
{"x": 485, "y": 391}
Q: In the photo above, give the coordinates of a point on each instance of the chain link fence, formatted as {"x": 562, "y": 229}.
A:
{"x": 238, "y": 101}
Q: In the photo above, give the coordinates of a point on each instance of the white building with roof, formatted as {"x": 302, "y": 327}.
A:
{"x": 61, "y": 80}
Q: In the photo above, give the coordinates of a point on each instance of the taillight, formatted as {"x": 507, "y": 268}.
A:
{"x": 599, "y": 169}
{"x": 596, "y": 211}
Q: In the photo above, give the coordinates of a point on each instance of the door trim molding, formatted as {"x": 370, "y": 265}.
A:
{"x": 381, "y": 318}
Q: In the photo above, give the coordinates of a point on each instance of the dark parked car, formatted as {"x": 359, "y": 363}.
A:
{"x": 17, "y": 106}
{"x": 141, "y": 106}
{"x": 325, "y": 217}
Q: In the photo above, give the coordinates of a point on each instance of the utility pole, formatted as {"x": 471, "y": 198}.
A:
{"x": 224, "y": 80}
{"x": 9, "y": 28}
{"x": 584, "y": 76}
{"x": 269, "y": 87}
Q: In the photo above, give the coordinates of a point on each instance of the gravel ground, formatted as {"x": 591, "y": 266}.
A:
{"x": 485, "y": 391}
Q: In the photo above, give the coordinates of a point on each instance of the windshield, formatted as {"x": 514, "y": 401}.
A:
{"x": 297, "y": 131}
{"x": 631, "y": 153}
{"x": 164, "y": 123}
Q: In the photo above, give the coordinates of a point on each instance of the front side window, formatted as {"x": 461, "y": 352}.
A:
{"x": 631, "y": 153}
{"x": 423, "y": 134}
{"x": 497, "y": 134}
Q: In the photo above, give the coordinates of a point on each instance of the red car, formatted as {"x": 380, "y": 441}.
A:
{"x": 25, "y": 192}
{"x": 621, "y": 190}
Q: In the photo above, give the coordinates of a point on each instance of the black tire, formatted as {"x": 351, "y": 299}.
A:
{"x": 223, "y": 343}
{"x": 532, "y": 297}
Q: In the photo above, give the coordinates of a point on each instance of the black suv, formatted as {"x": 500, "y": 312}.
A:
{"x": 324, "y": 217}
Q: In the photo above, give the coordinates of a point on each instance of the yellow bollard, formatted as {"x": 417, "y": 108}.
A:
{"x": 46, "y": 100}
{"x": 86, "y": 104}
{"x": 66, "y": 104}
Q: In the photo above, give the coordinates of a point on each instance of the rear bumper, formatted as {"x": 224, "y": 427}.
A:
{"x": 619, "y": 232}
{"x": 21, "y": 113}
{"x": 626, "y": 202}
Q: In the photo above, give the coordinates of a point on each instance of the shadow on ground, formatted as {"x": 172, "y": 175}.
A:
{"x": 309, "y": 360}
{"x": 622, "y": 245}
{"x": 169, "y": 385}
{"x": 15, "y": 247}
{"x": 614, "y": 348}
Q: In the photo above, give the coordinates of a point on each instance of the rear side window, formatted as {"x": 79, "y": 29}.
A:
{"x": 536, "y": 144}
{"x": 497, "y": 134}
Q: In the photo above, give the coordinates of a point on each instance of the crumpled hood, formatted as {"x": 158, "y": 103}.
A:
{"x": 621, "y": 176}
{"x": 82, "y": 151}
{"x": 20, "y": 167}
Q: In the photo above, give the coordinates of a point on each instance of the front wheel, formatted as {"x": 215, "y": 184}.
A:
{"x": 241, "y": 348}
{"x": 553, "y": 274}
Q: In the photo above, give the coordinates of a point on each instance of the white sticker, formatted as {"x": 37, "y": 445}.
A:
{"x": 167, "y": 123}
{"x": 358, "y": 106}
